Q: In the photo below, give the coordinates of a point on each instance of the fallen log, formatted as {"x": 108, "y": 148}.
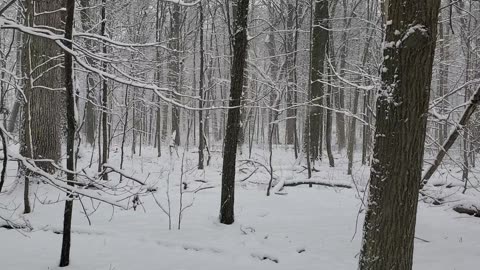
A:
{"x": 293, "y": 183}
{"x": 306, "y": 182}
{"x": 471, "y": 210}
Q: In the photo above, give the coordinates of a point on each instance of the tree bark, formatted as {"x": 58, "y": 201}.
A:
{"x": 318, "y": 53}
{"x": 43, "y": 70}
{"x": 174, "y": 66}
{"x": 328, "y": 100}
{"x": 239, "y": 44}
{"x": 71, "y": 130}
{"x": 105, "y": 139}
{"x": 402, "y": 111}
{"x": 201, "y": 135}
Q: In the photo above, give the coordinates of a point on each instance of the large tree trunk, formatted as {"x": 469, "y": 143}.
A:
{"x": 319, "y": 41}
{"x": 402, "y": 111}
{"x": 42, "y": 123}
{"x": 71, "y": 130}
{"x": 240, "y": 41}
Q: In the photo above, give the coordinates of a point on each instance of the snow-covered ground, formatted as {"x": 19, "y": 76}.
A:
{"x": 298, "y": 228}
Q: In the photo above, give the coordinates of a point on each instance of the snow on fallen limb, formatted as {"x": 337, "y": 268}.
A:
{"x": 454, "y": 198}
{"x": 292, "y": 183}
{"x": 342, "y": 184}
{"x": 467, "y": 208}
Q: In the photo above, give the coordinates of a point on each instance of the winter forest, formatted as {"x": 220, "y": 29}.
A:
{"x": 239, "y": 134}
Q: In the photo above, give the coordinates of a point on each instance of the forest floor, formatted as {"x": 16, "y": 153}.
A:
{"x": 295, "y": 228}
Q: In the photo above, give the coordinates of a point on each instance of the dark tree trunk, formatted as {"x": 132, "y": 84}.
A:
{"x": 318, "y": 51}
{"x": 328, "y": 100}
{"x": 239, "y": 42}
{"x": 5, "y": 158}
{"x": 125, "y": 127}
{"x": 201, "y": 135}
{"x": 402, "y": 111}
{"x": 105, "y": 132}
{"x": 71, "y": 129}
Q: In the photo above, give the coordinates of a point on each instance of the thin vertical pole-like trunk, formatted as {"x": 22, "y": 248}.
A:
{"x": 466, "y": 39}
{"x": 329, "y": 113}
{"x": 201, "y": 135}
{"x": 366, "y": 138}
{"x": 239, "y": 44}
{"x": 104, "y": 95}
{"x": 443, "y": 78}
{"x": 163, "y": 107}
{"x": 12, "y": 119}
{"x": 158, "y": 132}
{"x": 296, "y": 144}
{"x": 90, "y": 118}
{"x": 356, "y": 97}
{"x": 291, "y": 124}
{"x": 466, "y": 142}
{"x": 5, "y": 158}
{"x": 340, "y": 96}
{"x": 273, "y": 68}
{"x": 71, "y": 130}
{"x": 125, "y": 127}
{"x": 352, "y": 132}
{"x": 174, "y": 66}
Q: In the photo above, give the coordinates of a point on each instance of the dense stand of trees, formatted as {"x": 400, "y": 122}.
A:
{"x": 324, "y": 78}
